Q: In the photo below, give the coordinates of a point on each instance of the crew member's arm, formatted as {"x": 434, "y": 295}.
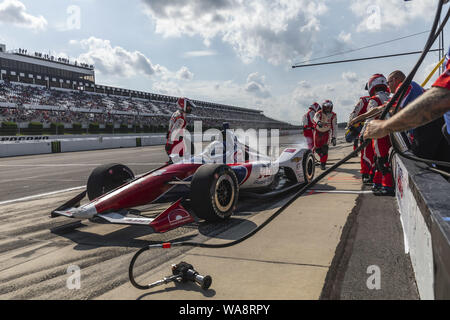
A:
{"x": 372, "y": 112}
{"x": 305, "y": 120}
{"x": 316, "y": 120}
{"x": 356, "y": 111}
{"x": 334, "y": 127}
{"x": 428, "y": 107}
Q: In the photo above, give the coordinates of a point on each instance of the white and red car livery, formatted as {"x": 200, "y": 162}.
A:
{"x": 211, "y": 184}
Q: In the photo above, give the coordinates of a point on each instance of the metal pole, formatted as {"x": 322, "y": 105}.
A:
{"x": 362, "y": 59}
{"x": 443, "y": 67}
{"x": 440, "y": 49}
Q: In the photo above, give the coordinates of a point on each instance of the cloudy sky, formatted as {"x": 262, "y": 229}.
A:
{"x": 236, "y": 52}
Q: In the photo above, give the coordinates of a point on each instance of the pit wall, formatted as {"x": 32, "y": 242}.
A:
{"x": 49, "y": 144}
{"x": 33, "y": 145}
{"x": 423, "y": 199}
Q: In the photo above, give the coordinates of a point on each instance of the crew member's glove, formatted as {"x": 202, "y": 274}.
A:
{"x": 333, "y": 142}
{"x": 319, "y": 124}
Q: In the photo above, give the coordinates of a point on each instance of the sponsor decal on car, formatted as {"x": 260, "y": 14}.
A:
{"x": 242, "y": 173}
{"x": 178, "y": 216}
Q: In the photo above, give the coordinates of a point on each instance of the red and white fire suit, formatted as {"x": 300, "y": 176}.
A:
{"x": 367, "y": 154}
{"x": 177, "y": 124}
{"x": 325, "y": 128}
{"x": 383, "y": 173}
{"x": 308, "y": 127}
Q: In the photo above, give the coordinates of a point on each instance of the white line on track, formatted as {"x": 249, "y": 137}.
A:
{"x": 37, "y": 196}
{"x": 77, "y": 164}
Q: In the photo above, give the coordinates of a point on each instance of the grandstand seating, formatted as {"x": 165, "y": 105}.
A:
{"x": 32, "y": 103}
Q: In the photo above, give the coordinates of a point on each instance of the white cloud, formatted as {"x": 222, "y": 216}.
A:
{"x": 379, "y": 15}
{"x": 349, "y": 76}
{"x": 14, "y": 12}
{"x": 304, "y": 84}
{"x": 277, "y": 31}
{"x": 345, "y": 37}
{"x": 184, "y": 74}
{"x": 201, "y": 53}
{"x": 115, "y": 61}
{"x": 256, "y": 86}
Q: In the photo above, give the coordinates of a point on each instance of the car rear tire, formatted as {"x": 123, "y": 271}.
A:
{"x": 309, "y": 166}
{"x": 214, "y": 192}
{"x": 106, "y": 178}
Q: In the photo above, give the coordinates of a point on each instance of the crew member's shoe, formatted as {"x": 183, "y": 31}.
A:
{"x": 322, "y": 166}
{"x": 376, "y": 188}
{"x": 386, "y": 192}
{"x": 367, "y": 179}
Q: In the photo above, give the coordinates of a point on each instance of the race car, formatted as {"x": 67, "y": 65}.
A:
{"x": 206, "y": 186}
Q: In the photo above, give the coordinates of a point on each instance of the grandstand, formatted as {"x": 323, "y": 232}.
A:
{"x": 47, "y": 90}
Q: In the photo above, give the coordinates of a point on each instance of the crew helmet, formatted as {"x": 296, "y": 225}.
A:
{"x": 327, "y": 106}
{"x": 315, "y": 107}
{"x": 186, "y": 105}
{"x": 376, "y": 83}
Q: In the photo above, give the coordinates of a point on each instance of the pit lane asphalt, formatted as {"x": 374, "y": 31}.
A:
{"x": 35, "y": 251}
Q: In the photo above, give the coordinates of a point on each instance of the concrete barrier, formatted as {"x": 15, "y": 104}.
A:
{"x": 19, "y": 146}
{"x": 57, "y": 144}
{"x": 96, "y": 144}
{"x": 424, "y": 203}
{"x": 24, "y": 149}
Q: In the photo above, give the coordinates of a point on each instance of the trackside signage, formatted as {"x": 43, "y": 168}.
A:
{"x": 24, "y": 139}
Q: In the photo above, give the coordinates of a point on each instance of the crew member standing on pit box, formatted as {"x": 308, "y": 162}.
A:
{"x": 382, "y": 181}
{"x": 308, "y": 124}
{"x": 325, "y": 121}
{"x": 367, "y": 154}
{"x": 177, "y": 124}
